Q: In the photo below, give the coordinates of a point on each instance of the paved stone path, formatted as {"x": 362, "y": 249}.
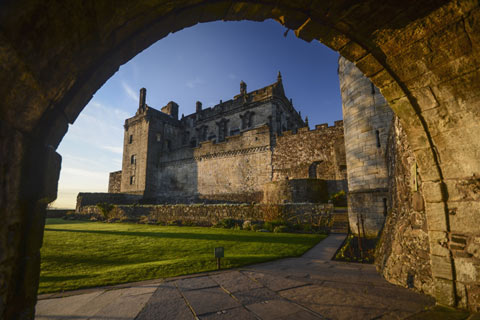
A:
{"x": 309, "y": 287}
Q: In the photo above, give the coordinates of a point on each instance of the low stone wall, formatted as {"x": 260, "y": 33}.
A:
{"x": 57, "y": 213}
{"x": 92, "y": 198}
{"x": 209, "y": 214}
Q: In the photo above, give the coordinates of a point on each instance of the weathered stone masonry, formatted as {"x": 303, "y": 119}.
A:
{"x": 367, "y": 118}
{"x": 228, "y": 152}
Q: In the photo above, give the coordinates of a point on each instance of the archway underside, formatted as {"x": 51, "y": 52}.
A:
{"x": 424, "y": 57}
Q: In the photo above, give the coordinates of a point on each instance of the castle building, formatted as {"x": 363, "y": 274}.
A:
{"x": 228, "y": 152}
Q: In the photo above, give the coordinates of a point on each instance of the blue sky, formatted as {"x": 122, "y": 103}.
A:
{"x": 206, "y": 63}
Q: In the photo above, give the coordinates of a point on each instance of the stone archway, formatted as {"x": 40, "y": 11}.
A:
{"x": 424, "y": 57}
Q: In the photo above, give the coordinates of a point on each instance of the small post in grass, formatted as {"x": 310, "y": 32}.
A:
{"x": 218, "y": 254}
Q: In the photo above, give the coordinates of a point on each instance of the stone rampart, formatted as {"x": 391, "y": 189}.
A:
{"x": 317, "y": 153}
{"x": 209, "y": 214}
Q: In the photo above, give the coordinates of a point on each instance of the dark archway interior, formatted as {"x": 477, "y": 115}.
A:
{"x": 423, "y": 56}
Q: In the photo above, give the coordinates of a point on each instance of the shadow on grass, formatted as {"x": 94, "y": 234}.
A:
{"x": 193, "y": 236}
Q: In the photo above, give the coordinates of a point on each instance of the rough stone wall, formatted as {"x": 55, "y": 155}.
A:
{"x": 318, "y": 153}
{"x": 209, "y": 214}
{"x": 403, "y": 254}
{"x": 233, "y": 170}
{"x": 115, "y": 182}
{"x": 296, "y": 191}
{"x": 93, "y": 198}
{"x": 367, "y": 119}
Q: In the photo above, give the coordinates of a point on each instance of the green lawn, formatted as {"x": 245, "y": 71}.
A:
{"x": 79, "y": 254}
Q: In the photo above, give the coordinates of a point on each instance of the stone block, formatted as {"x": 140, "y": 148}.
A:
{"x": 444, "y": 291}
{"x": 438, "y": 243}
{"x": 441, "y": 267}
{"x": 464, "y": 217}
{"x": 467, "y": 270}
{"x": 436, "y": 219}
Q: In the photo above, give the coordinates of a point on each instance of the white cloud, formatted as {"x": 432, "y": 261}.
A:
{"x": 195, "y": 82}
{"x": 129, "y": 91}
{"x": 113, "y": 149}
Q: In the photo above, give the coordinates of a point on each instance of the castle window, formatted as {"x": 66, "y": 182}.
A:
{"x": 133, "y": 159}
{"x": 132, "y": 179}
{"x": 168, "y": 145}
{"x": 385, "y": 207}
{"x": 193, "y": 143}
{"x": 377, "y": 135}
{"x": 130, "y": 139}
{"x": 159, "y": 137}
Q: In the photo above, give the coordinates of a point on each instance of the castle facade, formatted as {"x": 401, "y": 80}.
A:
{"x": 228, "y": 152}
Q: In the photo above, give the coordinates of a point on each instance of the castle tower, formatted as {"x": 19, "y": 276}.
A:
{"x": 367, "y": 119}
{"x": 141, "y": 147}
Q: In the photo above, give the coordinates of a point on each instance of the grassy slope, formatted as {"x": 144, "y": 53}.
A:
{"x": 86, "y": 254}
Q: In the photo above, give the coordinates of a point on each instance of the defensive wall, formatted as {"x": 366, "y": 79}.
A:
{"x": 315, "y": 154}
{"x": 210, "y": 214}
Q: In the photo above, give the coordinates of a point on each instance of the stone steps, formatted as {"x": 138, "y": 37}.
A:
{"x": 340, "y": 222}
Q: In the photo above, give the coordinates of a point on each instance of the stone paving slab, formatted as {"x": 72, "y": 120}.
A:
{"x": 63, "y": 307}
{"x": 210, "y": 300}
{"x": 166, "y": 303}
{"x": 195, "y": 283}
{"x": 255, "y": 296}
{"x": 235, "y": 281}
{"x": 280, "y": 309}
{"x": 236, "y": 313}
{"x": 274, "y": 282}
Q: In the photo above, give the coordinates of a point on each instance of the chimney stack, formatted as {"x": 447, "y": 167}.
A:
{"x": 199, "y": 106}
{"x": 143, "y": 97}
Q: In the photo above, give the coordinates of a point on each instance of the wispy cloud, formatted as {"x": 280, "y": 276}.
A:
{"x": 129, "y": 91}
{"x": 195, "y": 82}
{"x": 113, "y": 149}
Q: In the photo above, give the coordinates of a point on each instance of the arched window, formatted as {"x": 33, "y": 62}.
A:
{"x": 377, "y": 135}
{"x": 312, "y": 170}
{"x": 133, "y": 159}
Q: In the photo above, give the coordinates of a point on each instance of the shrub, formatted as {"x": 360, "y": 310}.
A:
{"x": 247, "y": 224}
{"x": 307, "y": 227}
{"x": 256, "y": 227}
{"x": 237, "y": 227}
{"x": 226, "y": 223}
{"x": 270, "y": 225}
{"x": 280, "y": 229}
{"x": 105, "y": 209}
{"x": 339, "y": 198}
